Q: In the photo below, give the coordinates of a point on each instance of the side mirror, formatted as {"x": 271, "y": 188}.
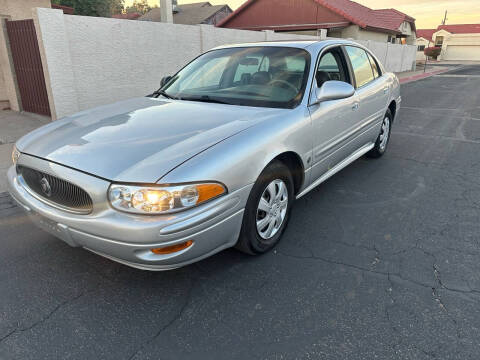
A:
{"x": 333, "y": 90}
{"x": 165, "y": 80}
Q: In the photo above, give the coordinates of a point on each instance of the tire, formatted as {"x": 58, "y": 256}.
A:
{"x": 381, "y": 145}
{"x": 252, "y": 240}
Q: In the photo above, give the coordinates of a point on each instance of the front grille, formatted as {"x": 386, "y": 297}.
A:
{"x": 62, "y": 193}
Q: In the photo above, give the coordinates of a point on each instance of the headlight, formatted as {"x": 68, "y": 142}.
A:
{"x": 162, "y": 199}
{"x": 15, "y": 155}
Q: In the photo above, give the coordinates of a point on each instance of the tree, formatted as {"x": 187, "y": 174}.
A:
{"x": 138, "y": 6}
{"x": 116, "y": 6}
{"x": 104, "y": 8}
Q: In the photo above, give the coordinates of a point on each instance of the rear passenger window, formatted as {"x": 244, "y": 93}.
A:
{"x": 376, "y": 71}
{"x": 361, "y": 65}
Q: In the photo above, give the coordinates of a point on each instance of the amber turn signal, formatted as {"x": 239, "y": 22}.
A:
{"x": 172, "y": 248}
{"x": 209, "y": 191}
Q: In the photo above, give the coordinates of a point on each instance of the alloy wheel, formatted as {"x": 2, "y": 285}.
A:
{"x": 272, "y": 209}
{"x": 385, "y": 133}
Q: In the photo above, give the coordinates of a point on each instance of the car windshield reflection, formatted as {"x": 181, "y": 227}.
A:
{"x": 253, "y": 76}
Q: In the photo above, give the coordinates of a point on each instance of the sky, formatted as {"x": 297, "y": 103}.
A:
{"x": 428, "y": 13}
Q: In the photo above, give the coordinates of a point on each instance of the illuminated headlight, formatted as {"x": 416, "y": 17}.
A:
{"x": 15, "y": 155}
{"x": 162, "y": 199}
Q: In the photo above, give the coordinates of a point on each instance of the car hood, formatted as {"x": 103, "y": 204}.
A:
{"x": 139, "y": 140}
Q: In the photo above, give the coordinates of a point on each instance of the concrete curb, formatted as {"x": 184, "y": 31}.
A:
{"x": 422, "y": 76}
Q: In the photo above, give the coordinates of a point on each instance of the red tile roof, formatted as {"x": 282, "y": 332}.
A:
{"x": 426, "y": 33}
{"x": 387, "y": 19}
{"x": 384, "y": 19}
{"x": 461, "y": 28}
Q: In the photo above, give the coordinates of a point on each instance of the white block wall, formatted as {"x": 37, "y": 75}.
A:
{"x": 395, "y": 57}
{"x": 91, "y": 61}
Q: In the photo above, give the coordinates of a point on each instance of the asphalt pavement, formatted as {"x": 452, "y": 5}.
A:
{"x": 379, "y": 262}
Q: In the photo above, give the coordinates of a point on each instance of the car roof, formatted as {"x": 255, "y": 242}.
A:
{"x": 301, "y": 44}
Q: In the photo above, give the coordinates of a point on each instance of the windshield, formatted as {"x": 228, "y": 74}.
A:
{"x": 252, "y": 76}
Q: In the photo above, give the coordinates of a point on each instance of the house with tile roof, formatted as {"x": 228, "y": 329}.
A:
{"x": 341, "y": 18}
{"x": 192, "y": 14}
{"x": 424, "y": 40}
{"x": 458, "y": 42}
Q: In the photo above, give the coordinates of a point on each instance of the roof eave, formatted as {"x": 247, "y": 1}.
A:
{"x": 235, "y": 13}
{"x": 296, "y": 27}
{"x": 388, "y": 31}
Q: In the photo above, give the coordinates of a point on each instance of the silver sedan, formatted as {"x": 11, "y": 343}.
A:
{"x": 213, "y": 159}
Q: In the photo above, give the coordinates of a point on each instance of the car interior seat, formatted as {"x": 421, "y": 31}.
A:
{"x": 322, "y": 77}
{"x": 261, "y": 78}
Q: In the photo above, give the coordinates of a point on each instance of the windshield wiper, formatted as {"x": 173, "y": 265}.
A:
{"x": 251, "y": 93}
{"x": 206, "y": 98}
{"x": 156, "y": 93}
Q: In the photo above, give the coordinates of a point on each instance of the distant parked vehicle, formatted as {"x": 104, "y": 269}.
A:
{"x": 213, "y": 159}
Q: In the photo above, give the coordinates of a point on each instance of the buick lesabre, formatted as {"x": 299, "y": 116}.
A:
{"x": 213, "y": 159}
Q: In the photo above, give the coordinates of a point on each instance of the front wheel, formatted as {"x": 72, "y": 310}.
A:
{"x": 267, "y": 211}
{"x": 383, "y": 138}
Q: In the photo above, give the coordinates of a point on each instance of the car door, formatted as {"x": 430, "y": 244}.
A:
{"x": 372, "y": 91}
{"x": 332, "y": 120}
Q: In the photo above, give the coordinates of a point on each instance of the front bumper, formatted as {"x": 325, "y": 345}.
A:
{"x": 128, "y": 238}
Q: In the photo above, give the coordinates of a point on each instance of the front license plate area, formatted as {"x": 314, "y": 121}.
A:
{"x": 58, "y": 230}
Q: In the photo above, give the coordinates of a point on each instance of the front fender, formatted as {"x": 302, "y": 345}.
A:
{"x": 239, "y": 160}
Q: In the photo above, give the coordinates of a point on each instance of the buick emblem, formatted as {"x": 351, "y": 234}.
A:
{"x": 45, "y": 185}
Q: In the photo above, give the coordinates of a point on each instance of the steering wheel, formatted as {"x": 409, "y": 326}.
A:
{"x": 283, "y": 82}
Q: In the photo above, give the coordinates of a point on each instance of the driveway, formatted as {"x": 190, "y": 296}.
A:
{"x": 381, "y": 261}
{"x": 13, "y": 125}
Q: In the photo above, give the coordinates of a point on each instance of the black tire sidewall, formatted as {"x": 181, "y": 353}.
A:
{"x": 249, "y": 234}
{"x": 376, "y": 151}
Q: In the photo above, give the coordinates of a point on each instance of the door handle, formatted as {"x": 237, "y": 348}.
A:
{"x": 385, "y": 90}
{"x": 355, "y": 106}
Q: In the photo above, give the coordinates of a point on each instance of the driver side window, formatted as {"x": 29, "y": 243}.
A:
{"x": 331, "y": 67}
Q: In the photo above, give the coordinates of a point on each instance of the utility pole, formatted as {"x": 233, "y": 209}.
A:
{"x": 445, "y": 18}
{"x": 426, "y": 58}
{"x": 166, "y": 11}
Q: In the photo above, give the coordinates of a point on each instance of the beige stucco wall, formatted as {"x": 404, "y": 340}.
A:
{"x": 3, "y": 90}
{"x": 3, "y": 59}
{"x": 7, "y": 81}
{"x": 302, "y": 32}
{"x": 371, "y": 35}
{"x": 356, "y": 33}
{"x": 21, "y": 9}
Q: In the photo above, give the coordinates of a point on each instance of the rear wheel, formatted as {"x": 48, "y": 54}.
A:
{"x": 383, "y": 138}
{"x": 267, "y": 211}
